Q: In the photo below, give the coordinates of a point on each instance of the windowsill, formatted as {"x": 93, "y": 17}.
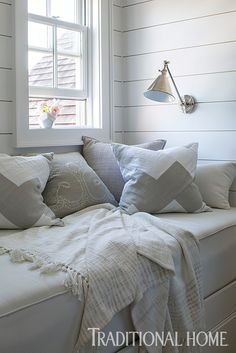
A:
{"x": 64, "y": 127}
{"x": 59, "y": 137}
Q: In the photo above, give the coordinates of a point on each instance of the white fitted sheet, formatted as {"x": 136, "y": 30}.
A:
{"x": 37, "y": 315}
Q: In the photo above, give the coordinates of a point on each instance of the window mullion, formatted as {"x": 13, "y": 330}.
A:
{"x": 48, "y": 8}
{"x": 39, "y": 49}
{"x": 54, "y": 21}
{"x": 84, "y": 12}
{"x": 66, "y": 93}
{"x": 55, "y": 66}
{"x": 76, "y": 10}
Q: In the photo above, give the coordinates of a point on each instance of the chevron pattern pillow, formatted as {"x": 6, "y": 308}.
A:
{"x": 99, "y": 156}
{"x": 159, "y": 181}
{"x": 22, "y": 180}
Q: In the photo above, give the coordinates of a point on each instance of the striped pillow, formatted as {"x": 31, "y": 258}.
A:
{"x": 22, "y": 180}
{"x": 159, "y": 181}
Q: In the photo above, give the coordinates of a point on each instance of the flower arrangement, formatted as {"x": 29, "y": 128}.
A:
{"x": 53, "y": 108}
{"x": 48, "y": 113}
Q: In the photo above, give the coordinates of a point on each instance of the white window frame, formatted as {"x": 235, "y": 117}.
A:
{"x": 51, "y": 92}
{"x": 98, "y": 91}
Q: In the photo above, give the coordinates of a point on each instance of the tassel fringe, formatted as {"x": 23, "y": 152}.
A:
{"x": 74, "y": 281}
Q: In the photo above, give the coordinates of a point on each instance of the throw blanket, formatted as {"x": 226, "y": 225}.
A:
{"x": 114, "y": 260}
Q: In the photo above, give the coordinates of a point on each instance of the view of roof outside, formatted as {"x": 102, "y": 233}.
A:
{"x": 42, "y": 75}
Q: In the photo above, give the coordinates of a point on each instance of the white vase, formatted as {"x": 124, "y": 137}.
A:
{"x": 46, "y": 120}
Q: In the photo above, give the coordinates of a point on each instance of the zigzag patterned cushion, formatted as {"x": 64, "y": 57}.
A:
{"x": 22, "y": 180}
{"x": 99, "y": 156}
{"x": 159, "y": 182}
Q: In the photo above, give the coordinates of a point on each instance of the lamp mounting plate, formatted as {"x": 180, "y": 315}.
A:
{"x": 188, "y": 104}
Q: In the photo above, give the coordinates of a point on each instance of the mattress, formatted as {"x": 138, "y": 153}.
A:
{"x": 36, "y": 308}
{"x": 216, "y": 232}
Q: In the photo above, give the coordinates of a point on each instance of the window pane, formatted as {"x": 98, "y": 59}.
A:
{"x": 69, "y": 72}
{"x": 37, "y": 7}
{"x": 40, "y": 35}
{"x": 68, "y": 41}
{"x": 69, "y": 64}
{"x": 40, "y": 69}
{"x": 66, "y": 10}
{"x": 71, "y": 112}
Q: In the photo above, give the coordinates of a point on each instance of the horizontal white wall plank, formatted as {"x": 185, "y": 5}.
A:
{"x": 118, "y": 91}
{"x": 155, "y": 13}
{"x": 212, "y": 145}
{"x": 118, "y": 18}
{"x": 220, "y": 57}
{"x": 208, "y": 116}
{"x": 134, "y": 2}
{"x": 205, "y": 88}
{"x": 182, "y": 34}
{"x": 6, "y": 88}
{"x": 5, "y": 19}
{"x": 117, "y": 43}
{"x": 118, "y": 2}
{"x": 6, "y": 144}
{"x": 117, "y": 137}
{"x": 118, "y": 121}
{"x": 6, "y": 117}
{"x": 6, "y": 60}
{"x": 118, "y": 68}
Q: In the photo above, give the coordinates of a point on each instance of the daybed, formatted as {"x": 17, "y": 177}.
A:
{"x": 45, "y": 296}
{"x": 38, "y": 315}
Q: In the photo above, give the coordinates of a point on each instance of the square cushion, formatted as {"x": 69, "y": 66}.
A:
{"x": 73, "y": 185}
{"x": 100, "y": 157}
{"x": 22, "y": 180}
{"x": 214, "y": 181}
{"x": 159, "y": 181}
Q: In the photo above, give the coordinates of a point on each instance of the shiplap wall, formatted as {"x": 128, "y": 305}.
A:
{"x": 199, "y": 40}
{"x": 6, "y": 73}
{"x": 118, "y": 65}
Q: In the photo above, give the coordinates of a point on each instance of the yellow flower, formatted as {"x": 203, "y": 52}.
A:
{"x": 45, "y": 108}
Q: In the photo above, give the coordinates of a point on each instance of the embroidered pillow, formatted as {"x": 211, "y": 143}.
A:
{"x": 73, "y": 185}
{"x": 100, "y": 157}
{"x": 22, "y": 180}
{"x": 159, "y": 181}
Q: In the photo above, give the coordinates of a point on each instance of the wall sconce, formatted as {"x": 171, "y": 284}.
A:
{"x": 161, "y": 91}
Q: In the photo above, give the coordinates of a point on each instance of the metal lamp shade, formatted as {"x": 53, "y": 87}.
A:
{"x": 160, "y": 89}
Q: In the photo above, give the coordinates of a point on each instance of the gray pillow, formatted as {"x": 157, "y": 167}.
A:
{"x": 73, "y": 185}
{"x": 100, "y": 157}
{"x": 214, "y": 181}
{"x": 159, "y": 181}
{"x": 22, "y": 180}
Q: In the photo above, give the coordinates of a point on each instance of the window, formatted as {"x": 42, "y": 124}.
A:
{"x": 57, "y": 65}
{"x": 62, "y": 59}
